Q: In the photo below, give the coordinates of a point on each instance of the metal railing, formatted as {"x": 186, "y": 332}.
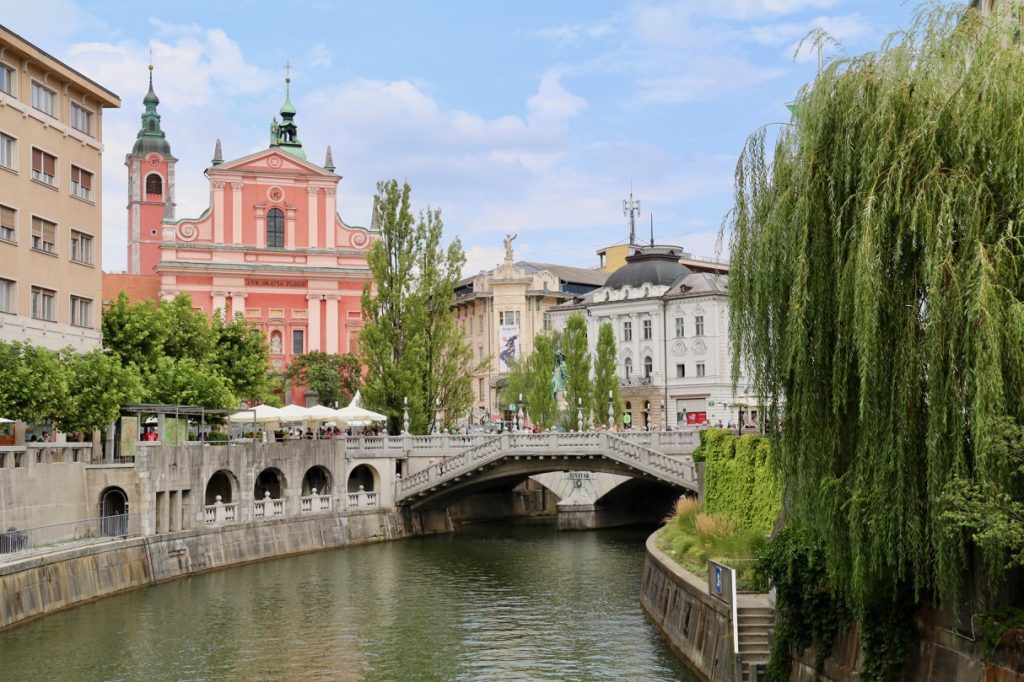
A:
{"x": 117, "y": 526}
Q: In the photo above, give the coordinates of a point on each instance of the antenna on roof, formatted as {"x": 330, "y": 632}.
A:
{"x": 652, "y": 228}
{"x": 631, "y": 209}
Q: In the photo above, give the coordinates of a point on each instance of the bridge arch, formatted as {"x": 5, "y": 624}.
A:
{"x": 318, "y": 477}
{"x": 224, "y": 483}
{"x": 271, "y": 480}
{"x": 363, "y": 477}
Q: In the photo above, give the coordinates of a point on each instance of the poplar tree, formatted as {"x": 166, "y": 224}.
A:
{"x": 877, "y": 291}
{"x": 578, "y": 387}
{"x": 606, "y": 377}
{"x": 542, "y": 364}
{"x": 410, "y": 343}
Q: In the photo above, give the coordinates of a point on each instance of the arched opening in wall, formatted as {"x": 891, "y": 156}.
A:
{"x": 275, "y": 343}
{"x": 222, "y": 483}
{"x": 275, "y": 228}
{"x": 648, "y": 367}
{"x": 365, "y": 476}
{"x": 154, "y": 184}
{"x": 270, "y": 480}
{"x": 317, "y": 477}
{"x": 113, "y": 512}
{"x": 628, "y": 365}
{"x": 627, "y": 414}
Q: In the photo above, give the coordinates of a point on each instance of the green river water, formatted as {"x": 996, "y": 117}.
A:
{"x": 491, "y": 602}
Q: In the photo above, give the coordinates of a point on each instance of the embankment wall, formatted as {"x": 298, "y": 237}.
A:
{"x": 695, "y": 625}
{"x": 40, "y": 585}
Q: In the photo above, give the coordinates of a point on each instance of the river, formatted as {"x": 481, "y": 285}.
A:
{"x": 490, "y": 602}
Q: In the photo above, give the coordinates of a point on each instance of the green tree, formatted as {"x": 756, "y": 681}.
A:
{"x": 606, "y": 377}
{"x": 135, "y": 332}
{"x": 876, "y": 292}
{"x": 188, "y": 382}
{"x": 242, "y": 357}
{"x": 335, "y": 378}
{"x": 410, "y": 342}
{"x": 578, "y": 386}
{"x": 33, "y": 383}
{"x": 97, "y": 387}
{"x": 541, "y": 400}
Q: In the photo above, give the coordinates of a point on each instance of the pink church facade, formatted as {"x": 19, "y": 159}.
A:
{"x": 271, "y": 245}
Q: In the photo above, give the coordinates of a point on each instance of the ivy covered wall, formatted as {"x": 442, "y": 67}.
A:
{"x": 740, "y": 480}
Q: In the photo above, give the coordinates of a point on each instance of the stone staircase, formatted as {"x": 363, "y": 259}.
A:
{"x": 756, "y": 621}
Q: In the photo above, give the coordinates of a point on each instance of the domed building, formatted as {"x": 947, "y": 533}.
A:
{"x": 670, "y": 313}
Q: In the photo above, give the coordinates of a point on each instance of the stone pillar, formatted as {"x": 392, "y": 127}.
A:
{"x": 329, "y": 213}
{"x": 218, "y": 212}
{"x": 289, "y": 229}
{"x": 314, "y": 242}
{"x": 236, "y": 212}
{"x": 261, "y": 227}
{"x": 313, "y": 308}
{"x": 331, "y": 323}
{"x": 237, "y": 304}
{"x": 220, "y": 301}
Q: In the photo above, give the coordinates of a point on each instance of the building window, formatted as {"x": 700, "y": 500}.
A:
{"x": 480, "y": 385}
{"x": 509, "y": 317}
{"x": 647, "y": 329}
{"x": 648, "y": 367}
{"x": 700, "y": 369}
{"x": 680, "y": 371}
{"x": 680, "y": 328}
{"x": 81, "y": 312}
{"x": 628, "y": 367}
{"x": 44, "y": 235}
{"x": 480, "y": 325}
{"x": 44, "y": 167}
{"x": 480, "y": 353}
{"x": 627, "y": 331}
{"x": 154, "y": 184}
{"x": 8, "y": 224}
{"x": 81, "y": 247}
{"x": 275, "y": 228}
{"x": 81, "y": 118}
{"x": 44, "y": 99}
{"x": 6, "y": 79}
{"x": 8, "y": 151}
{"x": 547, "y": 322}
{"x": 298, "y": 342}
{"x": 6, "y": 296}
{"x": 81, "y": 183}
{"x": 42, "y": 303}
{"x": 698, "y": 325}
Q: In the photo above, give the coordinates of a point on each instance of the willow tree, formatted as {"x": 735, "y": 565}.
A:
{"x": 876, "y": 292}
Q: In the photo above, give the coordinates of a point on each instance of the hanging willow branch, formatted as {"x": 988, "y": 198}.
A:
{"x": 876, "y": 292}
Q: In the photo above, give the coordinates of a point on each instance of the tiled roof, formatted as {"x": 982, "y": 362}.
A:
{"x": 138, "y": 287}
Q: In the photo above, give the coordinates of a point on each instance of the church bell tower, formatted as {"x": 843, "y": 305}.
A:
{"x": 150, "y": 188}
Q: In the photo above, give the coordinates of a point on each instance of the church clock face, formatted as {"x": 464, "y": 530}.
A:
{"x": 153, "y": 159}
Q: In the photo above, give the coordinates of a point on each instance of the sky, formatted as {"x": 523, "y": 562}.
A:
{"x": 529, "y": 117}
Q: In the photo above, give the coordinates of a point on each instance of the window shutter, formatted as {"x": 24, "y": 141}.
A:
{"x": 7, "y": 217}
{"x": 37, "y": 159}
{"x": 86, "y": 179}
{"x": 49, "y": 164}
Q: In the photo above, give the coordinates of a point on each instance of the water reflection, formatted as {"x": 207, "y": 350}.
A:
{"x": 490, "y": 602}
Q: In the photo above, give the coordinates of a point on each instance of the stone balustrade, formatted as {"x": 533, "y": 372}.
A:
{"x": 268, "y": 506}
{"x": 220, "y": 512}
{"x": 16, "y": 456}
{"x": 314, "y": 503}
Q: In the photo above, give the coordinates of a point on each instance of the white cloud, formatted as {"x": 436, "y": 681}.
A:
{"x": 574, "y": 34}
{"x": 553, "y": 102}
{"x": 482, "y": 258}
{"x": 319, "y": 56}
{"x": 746, "y": 9}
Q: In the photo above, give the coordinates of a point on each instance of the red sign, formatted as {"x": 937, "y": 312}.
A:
{"x": 294, "y": 283}
{"x": 696, "y": 418}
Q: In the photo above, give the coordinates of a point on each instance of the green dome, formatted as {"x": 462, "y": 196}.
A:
{"x": 145, "y": 145}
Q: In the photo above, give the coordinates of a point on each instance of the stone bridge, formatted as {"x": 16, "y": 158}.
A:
{"x": 461, "y": 465}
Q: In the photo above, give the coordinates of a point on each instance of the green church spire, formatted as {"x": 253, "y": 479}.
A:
{"x": 285, "y": 135}
{"x": 150, "y": 137}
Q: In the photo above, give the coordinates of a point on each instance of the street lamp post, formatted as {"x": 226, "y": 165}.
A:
{"x": 579, "y": 414}
{"x": 520, "y": 424}
{"x": 611, "y": 411}
{"x": 405, "y": 415}
{"x": 664, "y": 423}
{"x": 437, "y": 415}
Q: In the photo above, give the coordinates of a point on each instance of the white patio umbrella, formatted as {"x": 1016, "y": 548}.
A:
{"x": 353, "y": 415}
{"x": 320, "y": 413}
{"x": 6, "y": 421}
{"x": 293, "y": 413}
{"x": 260, "y": 413}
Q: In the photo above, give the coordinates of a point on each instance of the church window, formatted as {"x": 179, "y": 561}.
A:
{"x": 152, "y": 125}
{"x": 275, "y": 228}
{"x": 154, "y": 184}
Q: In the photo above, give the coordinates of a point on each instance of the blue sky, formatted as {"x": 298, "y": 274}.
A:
{"x": 511, "y": 116}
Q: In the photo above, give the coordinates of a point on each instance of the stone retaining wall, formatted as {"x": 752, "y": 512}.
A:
{"x": 695, "y": 625}
{"x": 39, "y": 585}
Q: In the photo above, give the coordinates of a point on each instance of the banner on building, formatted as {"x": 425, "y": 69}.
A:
{"x": 508, "y": 335}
